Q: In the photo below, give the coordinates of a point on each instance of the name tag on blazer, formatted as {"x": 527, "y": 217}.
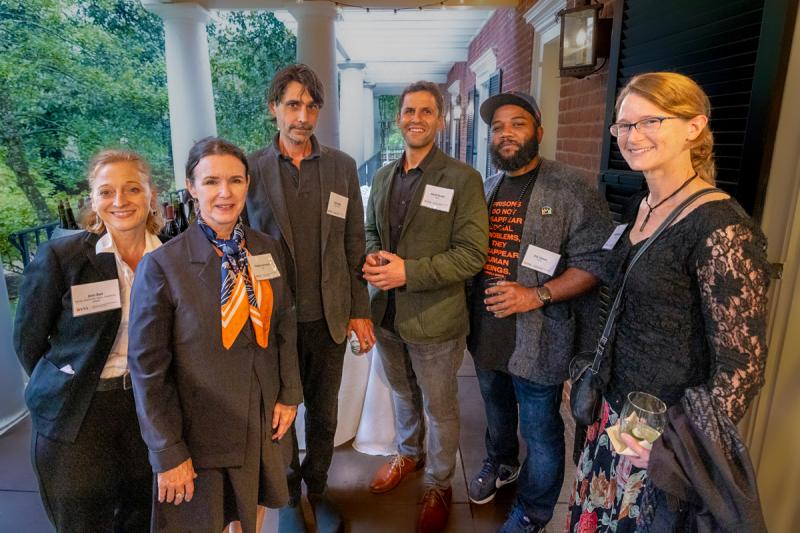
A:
{"x": 263, "y": 267}
{"x": 541, "y": 260}
{"x": 337, "y": 205}
{"x": 90, "y": 298}
{"x": 438, "y": 198}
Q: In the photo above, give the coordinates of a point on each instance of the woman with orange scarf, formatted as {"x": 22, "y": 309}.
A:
{"x": 213, "y": 358}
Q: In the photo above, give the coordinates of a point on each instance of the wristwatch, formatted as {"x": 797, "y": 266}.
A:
{"x": 544, "y": 294}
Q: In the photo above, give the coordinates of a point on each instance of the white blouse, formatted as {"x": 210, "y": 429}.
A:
{"x": 117, "y": 362}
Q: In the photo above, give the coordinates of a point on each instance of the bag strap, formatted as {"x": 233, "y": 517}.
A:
{"x": 612, "y": 313}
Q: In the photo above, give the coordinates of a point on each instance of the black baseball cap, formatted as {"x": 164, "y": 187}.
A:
{"x": 523, "y": 100}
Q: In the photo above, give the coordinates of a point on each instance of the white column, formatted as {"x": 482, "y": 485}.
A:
{"x": 316, "y": 47}
{"x": 191, "y": 98}
{"x": 351, "y": 109}
{"x": 369, "y": 120}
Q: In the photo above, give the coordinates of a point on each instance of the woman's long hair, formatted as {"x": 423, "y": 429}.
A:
{"x": 682, "y": 97}
{"x": 93, "y": 223}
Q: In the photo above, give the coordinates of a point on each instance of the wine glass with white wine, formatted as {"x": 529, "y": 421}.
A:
{"x": 644, "y": 416}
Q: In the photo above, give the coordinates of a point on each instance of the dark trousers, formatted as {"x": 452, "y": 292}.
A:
{"x": 101, "y": 482}
{"x": 321, "y": 361}
{"x": 542, "y": 429}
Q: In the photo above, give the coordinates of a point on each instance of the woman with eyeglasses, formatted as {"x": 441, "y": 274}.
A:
{"x": 690, "y": 330}
{"x": 213, "y": 358}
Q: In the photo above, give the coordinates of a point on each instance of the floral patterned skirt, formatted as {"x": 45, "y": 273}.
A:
{"x": 608, "y": 488}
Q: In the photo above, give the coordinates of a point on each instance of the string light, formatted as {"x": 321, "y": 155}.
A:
{"x": 441, "y": 4}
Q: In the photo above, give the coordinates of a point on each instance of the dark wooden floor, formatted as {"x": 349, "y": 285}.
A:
{"x": 21, "y": 510}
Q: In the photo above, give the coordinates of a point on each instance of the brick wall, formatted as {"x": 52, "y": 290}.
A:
{"x": 511, "y": 38}
{"x": 581, "y": 116}
{"x": 582, "y": 103}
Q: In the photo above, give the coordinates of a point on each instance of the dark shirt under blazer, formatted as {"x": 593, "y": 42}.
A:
{"x": 192, "y": 395}
{"x": 568, "y": 216}
{"x": 47, "y": 337}
{"x": 344, "y": 291}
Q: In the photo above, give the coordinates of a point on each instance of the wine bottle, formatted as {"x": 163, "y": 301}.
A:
{"x": 171, "y": 229}
{"x": 180, "y": 217}
{"x": 71, "y": 224}
{"x": 62, "y": 215}
{"x": 192, "y": 215}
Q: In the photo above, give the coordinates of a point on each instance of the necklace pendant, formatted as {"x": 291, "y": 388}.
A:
{"x": 644, "y": 222}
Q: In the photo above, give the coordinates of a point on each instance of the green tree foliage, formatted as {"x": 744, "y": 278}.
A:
{"x": 76, "y": 79}
{"x": 246, "y": 49}
{"x": 80, "y": 76}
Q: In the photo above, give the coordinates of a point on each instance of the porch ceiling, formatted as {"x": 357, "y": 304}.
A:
{"x": 410, "y": 45}
{"x": 397, "y": 48}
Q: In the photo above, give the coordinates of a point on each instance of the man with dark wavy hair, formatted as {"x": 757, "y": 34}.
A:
{"x": 308, "y": 197}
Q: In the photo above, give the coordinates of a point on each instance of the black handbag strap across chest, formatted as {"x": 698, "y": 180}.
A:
{"x": 612, "y": 314}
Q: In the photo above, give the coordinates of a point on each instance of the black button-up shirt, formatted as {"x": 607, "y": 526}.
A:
{"x": 301, "y": 191}
{"x": 404, "y": 185}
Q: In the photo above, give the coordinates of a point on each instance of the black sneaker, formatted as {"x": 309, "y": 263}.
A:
{"x": 484, "y": 486}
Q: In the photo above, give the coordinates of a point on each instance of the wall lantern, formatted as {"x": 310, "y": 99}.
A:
{"x": 585, "y": 38}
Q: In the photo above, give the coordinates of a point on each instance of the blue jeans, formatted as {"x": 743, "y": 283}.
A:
{"x": 542, "y": 429}
{"x": 424, "y": 385}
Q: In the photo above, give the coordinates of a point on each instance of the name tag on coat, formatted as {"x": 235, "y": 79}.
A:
{"x": 438, "y": 198}
{"x": 541, "y": 260}
{"x": 90, "y": 298}
{"x": 337, "y": 205}
{"x": 263, "y": 267}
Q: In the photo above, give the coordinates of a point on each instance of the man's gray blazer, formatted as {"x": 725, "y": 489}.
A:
{"x": 565, "y": 215}
{"x": 344, "y": 291}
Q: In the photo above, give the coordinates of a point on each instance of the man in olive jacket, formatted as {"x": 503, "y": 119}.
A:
{"x": 427, "y": 233}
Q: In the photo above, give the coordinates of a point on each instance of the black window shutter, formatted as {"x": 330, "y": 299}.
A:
{"x": 733, "y": 50}
{"x": 471, "y": 127}
{"x": 495, "y": 86}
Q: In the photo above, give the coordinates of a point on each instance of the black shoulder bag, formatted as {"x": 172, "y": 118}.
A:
{"x": 588, "y": 383}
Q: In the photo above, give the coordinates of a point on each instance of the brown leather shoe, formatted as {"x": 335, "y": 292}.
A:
{"x": 392, "y": 473}
{"x": 435, "y": 510}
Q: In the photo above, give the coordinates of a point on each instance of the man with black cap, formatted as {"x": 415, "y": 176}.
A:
{"x": 547, "y": 227}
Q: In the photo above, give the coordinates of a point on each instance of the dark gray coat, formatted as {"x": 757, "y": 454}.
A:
{"x": 193, "y": 395}
{"x": 576, "y": 226}
{"x": 344, "y": 291}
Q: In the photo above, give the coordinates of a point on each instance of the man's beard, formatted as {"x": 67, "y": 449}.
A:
{"x": 522, "y": 157}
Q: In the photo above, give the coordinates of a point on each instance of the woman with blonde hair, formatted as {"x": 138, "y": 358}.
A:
{"x": 689, "y": 329}
{"x": 71, "y": 336}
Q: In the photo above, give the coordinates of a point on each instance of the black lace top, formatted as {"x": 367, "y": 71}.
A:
{"x": 694, "y": 310}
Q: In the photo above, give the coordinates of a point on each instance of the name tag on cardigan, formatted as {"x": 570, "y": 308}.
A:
{"x": 90, "y": 298}
{"x": 615, "y": 235}
{"x": 438, "y": 198}
{"x": 541, "y": 260}
{"x": 337, "y": 205}
{"x": 263, "y": 266}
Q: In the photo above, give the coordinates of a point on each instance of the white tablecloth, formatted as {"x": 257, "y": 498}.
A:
{"x": 365, "y": 407}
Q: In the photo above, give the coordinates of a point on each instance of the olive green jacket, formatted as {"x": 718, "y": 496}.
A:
{"x": 441, "y": 250}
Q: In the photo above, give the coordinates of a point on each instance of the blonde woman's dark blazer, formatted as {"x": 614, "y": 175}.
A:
{"x": 63, "y": 354}
{"x": 192, "y": 395}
